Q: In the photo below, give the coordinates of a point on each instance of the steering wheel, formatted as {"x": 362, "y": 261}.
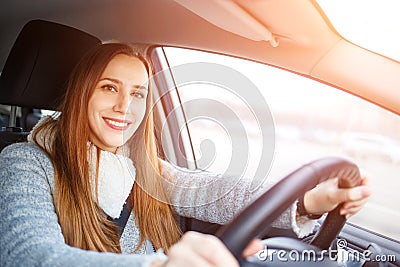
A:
{"x": 260, "y": 214}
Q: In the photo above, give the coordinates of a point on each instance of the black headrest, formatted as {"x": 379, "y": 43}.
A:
{"x": 40, "y": 62}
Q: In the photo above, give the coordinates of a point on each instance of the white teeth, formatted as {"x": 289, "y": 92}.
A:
{"x": 118, "y": 124}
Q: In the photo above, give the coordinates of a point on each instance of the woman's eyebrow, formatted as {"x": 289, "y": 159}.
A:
{"x": 111, "y": 80}
{"x": 139, "y": 87}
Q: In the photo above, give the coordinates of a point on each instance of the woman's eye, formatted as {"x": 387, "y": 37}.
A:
{"x": 139, "y": 94}
{"x": 109, "y": 88}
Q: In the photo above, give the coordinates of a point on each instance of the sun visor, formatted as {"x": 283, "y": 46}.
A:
{"x": 230, "y": 16}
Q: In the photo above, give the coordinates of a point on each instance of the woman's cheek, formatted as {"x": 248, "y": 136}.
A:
{"x": 139, "y": 111}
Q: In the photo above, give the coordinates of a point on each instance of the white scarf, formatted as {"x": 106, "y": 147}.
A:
{"x": 116, "y": 175}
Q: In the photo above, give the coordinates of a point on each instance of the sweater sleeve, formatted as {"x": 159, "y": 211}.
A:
{"x": 29, "y": 231}
{"x": 217, "y": 198}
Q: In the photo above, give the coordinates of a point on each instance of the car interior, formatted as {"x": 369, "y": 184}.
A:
{"x": 36, "y": 73}
{"x": 43, "y": 40}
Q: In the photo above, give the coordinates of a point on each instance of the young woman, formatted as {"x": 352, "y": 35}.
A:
{"x": 60, "y": 189}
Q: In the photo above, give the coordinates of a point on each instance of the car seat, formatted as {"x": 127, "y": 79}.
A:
{"x": 36, "y": 72}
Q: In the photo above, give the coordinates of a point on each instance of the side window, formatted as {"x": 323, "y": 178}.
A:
{"x": 309, "y": 120}
{"x": 24, "y": 117}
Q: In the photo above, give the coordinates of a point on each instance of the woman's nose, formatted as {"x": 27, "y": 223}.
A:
{"x": 122, "y": 104}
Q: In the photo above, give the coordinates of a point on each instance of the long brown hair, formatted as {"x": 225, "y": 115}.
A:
{"x": 83, "y": 222}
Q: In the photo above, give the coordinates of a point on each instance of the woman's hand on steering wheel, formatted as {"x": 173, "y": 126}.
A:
{"x": 327, "y": 195}
{"x": 196, "y": 249}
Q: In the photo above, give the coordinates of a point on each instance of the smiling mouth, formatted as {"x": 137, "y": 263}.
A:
{"x": 119, "y": 125}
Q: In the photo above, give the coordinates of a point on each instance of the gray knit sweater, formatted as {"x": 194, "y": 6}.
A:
{"x": 31, "y": 236}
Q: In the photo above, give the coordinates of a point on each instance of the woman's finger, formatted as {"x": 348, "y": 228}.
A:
{"x": 352, "y": 204}
{"x": 182, "y": 255}
{"x": 210, "y": 248}
{"x": 353, "y": 208}
{"x": 365, "y": 180}
{"x": 351, "y": 212}
{"x": 252, "y": 248}
{"x": 352, "y": 194}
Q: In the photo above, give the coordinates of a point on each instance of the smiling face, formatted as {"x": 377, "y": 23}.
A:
{"x": 118, "y": 103}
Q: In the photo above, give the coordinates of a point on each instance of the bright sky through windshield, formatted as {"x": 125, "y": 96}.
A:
{"x": 372, "y": 24}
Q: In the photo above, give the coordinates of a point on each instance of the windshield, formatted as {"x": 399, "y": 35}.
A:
{"x": 372, "y": 24}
